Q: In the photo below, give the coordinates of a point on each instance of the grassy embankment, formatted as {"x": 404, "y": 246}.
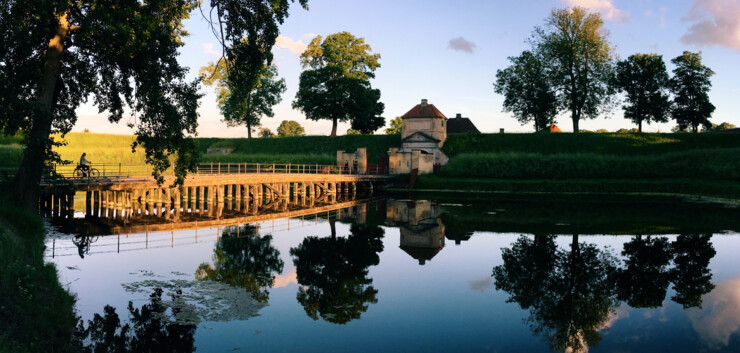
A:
{"x": 36, "y": 313}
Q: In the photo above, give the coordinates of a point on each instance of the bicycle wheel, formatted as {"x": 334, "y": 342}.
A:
{"x": 94, "y": 173}
{"x": 78, "y": 173}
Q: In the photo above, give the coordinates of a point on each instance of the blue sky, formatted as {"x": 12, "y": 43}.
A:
{"x": 449, "y": 51}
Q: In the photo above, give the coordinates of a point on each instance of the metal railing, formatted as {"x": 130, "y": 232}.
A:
{"x": 121, "y": 170}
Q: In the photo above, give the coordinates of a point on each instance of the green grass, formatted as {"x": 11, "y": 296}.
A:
{"x": 36, "y": 313}
{"x": 606, "y": 143}
{"x": 322, "y": 159}
{"x": 312, "y": 145}
{"x": 718, "y": 188}
{"x": 718, "y": 163}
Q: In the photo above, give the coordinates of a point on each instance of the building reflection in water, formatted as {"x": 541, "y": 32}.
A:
{"x": 422, "y": 231}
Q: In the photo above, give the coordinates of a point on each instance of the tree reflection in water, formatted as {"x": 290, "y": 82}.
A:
{"x": 148, "y": 330}
{"x": 333, "y": 273}
{"x": 571, "y": 295}
{"x": 244, "y": 259}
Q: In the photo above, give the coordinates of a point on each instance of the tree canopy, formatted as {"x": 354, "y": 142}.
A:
{"x": 690, "y": 87}
{"x": 57, "y": 54}
{"x": 644, "y": 80}
{"x": 396, "y": 126}
{"x": 579, "y": 60}
{"x": 290, "y": 128}
{"x": 335, "y": 83}
{"x": 258, "y": 103}
{"x": 527, "y": 91}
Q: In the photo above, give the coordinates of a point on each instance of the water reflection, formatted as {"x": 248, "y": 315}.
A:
{"x": 333, "y": 273}
{"x": 421, "y": 228}
{"x": 571, "y": 295}
{"x": 149, "y": 329}
{"x": 243, "y": 259}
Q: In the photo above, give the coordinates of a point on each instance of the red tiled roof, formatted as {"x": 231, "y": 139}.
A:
{"x": 429, "y": 111}
{"x": 554, "y": 128}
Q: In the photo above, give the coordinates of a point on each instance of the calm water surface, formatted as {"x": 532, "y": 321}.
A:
{"x": 420, "y": 276}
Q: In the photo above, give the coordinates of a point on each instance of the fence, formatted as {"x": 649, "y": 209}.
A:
{"x": 214, "y": 168}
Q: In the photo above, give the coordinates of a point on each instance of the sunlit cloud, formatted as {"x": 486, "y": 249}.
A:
{"x": 297, "y": 47}
{"x": 208, "y": 49}
{"x": 719, "y": 317}
{"x": 713, "y": 22}
{"x": 461, "y": 44}
{"x": 605, "y": 7}
{"x": 285, "y": 279}
{"x": 480, "y": 285}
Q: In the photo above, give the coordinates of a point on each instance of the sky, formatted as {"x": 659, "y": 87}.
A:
{"x": 449, "y": 51}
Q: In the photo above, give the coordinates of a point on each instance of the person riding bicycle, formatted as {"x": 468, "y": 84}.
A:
{"x": 84, "y": 164}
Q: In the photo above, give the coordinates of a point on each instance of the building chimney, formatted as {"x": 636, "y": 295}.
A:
{"x": 458, "y": 116}
{"x": 423, "y": 103}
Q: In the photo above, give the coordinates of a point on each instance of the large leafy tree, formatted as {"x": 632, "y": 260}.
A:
{"x": 396, "y": 126}
{"x": 690, "y": 86}
{"x": 644, "y": 280}
{"x": 56, "y": 54}
{"x": 258, "y": 103}
{"x": 335, "y": 84}
{"x": 644, "y": 79}
{"x": 333, "y": 273}
{"x": 527, "y": 91}
{"x": 290, "y": 128}
{"x": 579, "y": 60}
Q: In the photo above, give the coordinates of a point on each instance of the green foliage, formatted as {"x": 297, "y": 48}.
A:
{"x": 322, "y": 159}
{"x": 257, "y": 103}
{"x": 706, "y": 164}
{"x": 644, "y": 79}
{"x": 335, "y": 84}
{"x": 690, "y": 87}
{"x": 527, "y": 92}
{"x": 290, "y": 128}
{"x": 396, "y": 126}
{"x": 579, "y": 57}
{"x": 266, "y": 133}
{"x": 721, "y": 127}
{"x": 606, "y": 143}
{"x": 312, "y": 145}
{"x": 37, "y": 313}
{"x": 353, "y": 132}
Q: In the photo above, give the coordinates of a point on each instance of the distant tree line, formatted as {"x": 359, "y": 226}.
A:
{"x": 571, "y": 68}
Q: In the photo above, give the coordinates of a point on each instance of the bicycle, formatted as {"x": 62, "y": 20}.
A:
{"x": 79, "y": 172}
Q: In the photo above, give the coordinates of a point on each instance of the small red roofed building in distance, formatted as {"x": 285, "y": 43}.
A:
{"x": 554, "y": 128}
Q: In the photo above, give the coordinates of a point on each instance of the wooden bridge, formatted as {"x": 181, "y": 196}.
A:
{"x": 246, "y": 188}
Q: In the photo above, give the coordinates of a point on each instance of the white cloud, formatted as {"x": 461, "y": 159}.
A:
{"x": 297, "y": 47}
{"x": 461, "y": 44}
{"x": 480, "y": 285}
{"x": 714, "y": 22}
{"x": 605, "y": 7}
{"x": 719, "y": 317}
{"x": 208, "y": 49}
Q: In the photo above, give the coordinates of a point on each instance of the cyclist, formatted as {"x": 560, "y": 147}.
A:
{"x": 84, "y": 165}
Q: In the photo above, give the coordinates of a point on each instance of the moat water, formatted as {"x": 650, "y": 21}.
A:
{"x": 420, "y": 275}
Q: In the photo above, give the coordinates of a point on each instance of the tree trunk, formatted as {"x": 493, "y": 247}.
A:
{"x": 333, "y": 127}
{"x": 249, "y": 130}
{"x": 333, "y": 226}
{"x": 29, "y": 172}
{"x": 639, "y": 126}
{"x": 575, "y": 124}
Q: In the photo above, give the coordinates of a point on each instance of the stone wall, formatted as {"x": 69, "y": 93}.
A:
{"x": 349, "y": 158}
{"x": 404, "y": 162}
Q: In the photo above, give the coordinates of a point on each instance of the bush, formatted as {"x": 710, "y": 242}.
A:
{"x": 707, "y": 163}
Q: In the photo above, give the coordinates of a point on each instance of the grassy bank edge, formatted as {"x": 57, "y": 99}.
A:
{"x": 717, "y": 191}
{"x": 36, "y": 312}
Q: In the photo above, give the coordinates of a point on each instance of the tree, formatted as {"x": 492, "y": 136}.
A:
{"x": 644, "y": 79}
{"x": 56, "y": 54}
{"x": 644, "y": 281}
{"x": 244, "y": 259}
{"x": 290, "y": 128}
{"x": 527, "y": 92}
{"x": 258, "y": 103}
{"x": 579, "y": 59}
{"x": 396, "y": 126}
{"x": 720, "y": 127}
{"x": 335, "y": 83}
{"x": 333, "y": 273}
{"x": 691, "y": 276}
{"x": 266, "y": 133}
{"x": 690, "y": 86}
{"x": 353, "y": 132}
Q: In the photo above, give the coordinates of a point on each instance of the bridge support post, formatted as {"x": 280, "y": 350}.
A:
{"x": 177, "y": 203}
{"x": 88, "y": 203}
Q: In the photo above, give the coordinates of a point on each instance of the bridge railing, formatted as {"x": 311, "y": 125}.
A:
{"x": 121, "y": 170}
